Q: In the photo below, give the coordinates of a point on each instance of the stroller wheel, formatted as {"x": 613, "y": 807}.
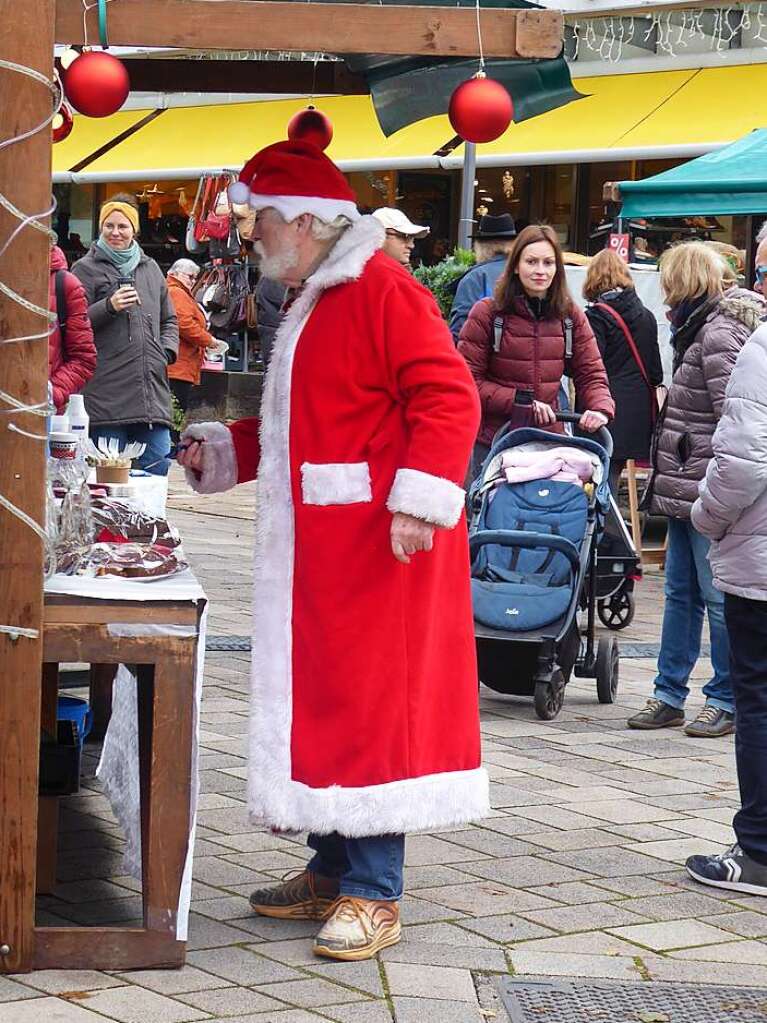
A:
{"x": 607, "y": 669}
{"x": 549, "y": 696}
{"x": 617, "y": 612}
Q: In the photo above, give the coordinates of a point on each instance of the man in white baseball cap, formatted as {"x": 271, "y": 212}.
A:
{"x": 401, "y": 233}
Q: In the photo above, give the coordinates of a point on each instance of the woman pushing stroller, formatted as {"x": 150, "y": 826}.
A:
{"x": 518, "y": 342}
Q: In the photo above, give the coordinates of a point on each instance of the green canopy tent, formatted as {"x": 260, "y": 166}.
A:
{"x": 729, "y": 181}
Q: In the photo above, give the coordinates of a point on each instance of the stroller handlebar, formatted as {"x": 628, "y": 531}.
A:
{"x": 602, "y": 435}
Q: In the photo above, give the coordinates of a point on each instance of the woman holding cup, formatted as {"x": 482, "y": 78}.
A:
{"x": 136, "y": 335}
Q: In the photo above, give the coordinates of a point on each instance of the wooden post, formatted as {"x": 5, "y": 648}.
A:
{"x": 25, "y": 170}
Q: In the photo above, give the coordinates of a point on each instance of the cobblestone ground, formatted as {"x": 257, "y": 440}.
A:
{"x": 577, "y": 873}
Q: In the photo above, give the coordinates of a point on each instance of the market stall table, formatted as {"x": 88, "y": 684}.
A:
{"x": 158, "y": 627}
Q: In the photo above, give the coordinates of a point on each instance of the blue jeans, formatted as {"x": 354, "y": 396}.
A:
{"x": 370, "y": 868}
{"x": 689, "y": 592}
{"x": 154, "y": 435}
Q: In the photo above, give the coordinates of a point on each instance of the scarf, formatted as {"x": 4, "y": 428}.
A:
{"x": 686, "y": 320}
{"x": 126, "y": 260}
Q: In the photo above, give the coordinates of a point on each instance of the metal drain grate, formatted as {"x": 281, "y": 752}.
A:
{"x": 597, "y": 1001}
{"x": 227, "y": 644}
{"x": 629, "y": 651}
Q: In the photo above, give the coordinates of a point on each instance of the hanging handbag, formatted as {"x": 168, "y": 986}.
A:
{"x": 217, "y": 224}
{"x": 190, "y": 240}
{"x": 657, "y": 394}
{"x": 200, "y": 230}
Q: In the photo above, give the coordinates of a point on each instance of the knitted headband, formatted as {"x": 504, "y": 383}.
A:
{"x": 128, "y": 211}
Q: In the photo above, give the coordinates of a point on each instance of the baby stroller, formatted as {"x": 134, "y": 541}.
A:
{"x": 618, "y": 567}
{"x": 534, "y": 566}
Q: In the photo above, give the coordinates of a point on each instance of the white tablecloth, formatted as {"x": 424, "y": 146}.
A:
{"x": 118, "y": 769}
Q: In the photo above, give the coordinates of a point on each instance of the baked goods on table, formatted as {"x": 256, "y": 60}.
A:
{"x": 124, "y": 560}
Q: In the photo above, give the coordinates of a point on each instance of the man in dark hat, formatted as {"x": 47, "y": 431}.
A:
{"x": 492, "y": 244}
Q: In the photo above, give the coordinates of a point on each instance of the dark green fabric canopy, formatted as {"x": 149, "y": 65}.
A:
{"x": 732, "y": 180}
{"x": 408, "y": 89}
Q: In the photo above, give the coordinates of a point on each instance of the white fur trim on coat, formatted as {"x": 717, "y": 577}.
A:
{"x": 291, "y": 206}
{"x": 219, "y": 461}
{"x": 397, "y": 807}
{"x": 274, "y": 798}
{"x": 336, "y": 483}
{"x": 426, "y": 497}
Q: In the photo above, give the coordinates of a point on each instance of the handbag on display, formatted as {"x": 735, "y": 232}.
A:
{"x": 217, "y": 224}
{"x": 191, "y": 241}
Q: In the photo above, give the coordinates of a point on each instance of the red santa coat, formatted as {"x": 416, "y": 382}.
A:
{"x": 364, "y": 698}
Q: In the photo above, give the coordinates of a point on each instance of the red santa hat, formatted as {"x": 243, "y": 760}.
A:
{"x": 295, "y": 178}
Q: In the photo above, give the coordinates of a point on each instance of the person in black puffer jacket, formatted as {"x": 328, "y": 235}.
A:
{"x": 608, "y": 283}
{"x": 270, "y": 296}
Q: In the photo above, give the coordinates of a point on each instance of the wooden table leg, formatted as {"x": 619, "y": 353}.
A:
{"x": 47, "y": 843}
{"x": 102, "y": 678}
{"x": 48, "y": 806}
{"x": 169, "y": 784}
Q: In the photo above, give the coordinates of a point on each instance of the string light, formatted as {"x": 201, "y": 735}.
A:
{"x": 672, "y": 32}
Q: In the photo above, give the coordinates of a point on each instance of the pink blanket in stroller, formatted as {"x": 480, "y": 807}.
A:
{"x": 564, "y": 463}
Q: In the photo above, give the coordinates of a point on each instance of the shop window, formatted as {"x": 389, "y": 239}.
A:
{"x": 503, "y": 190}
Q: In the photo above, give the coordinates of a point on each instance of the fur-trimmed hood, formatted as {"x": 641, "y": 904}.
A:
{"x": 347, "y": 259}
{"x": 745, "y": 306}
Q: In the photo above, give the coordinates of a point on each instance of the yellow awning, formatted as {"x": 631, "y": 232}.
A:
{"x": 636, "y": 112}
{"x": 89, "y": 134}
{"x": 225, "y": 136}
{"x": 622, "y": 116}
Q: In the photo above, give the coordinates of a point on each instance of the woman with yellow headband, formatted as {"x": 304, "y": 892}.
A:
{"x": 136, "y": 335}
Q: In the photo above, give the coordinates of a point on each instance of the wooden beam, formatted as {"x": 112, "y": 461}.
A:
{"x": 324, "y": 27}
{"x": 262, "y": 76}
{"x": 25, "y": 175}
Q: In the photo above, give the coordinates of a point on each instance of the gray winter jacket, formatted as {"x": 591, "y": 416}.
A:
{"x": 732, "y": 507}
{"x": 706, "y": 349}
{"x": 134, "y": 347}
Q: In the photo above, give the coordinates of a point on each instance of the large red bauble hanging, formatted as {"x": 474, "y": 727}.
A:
{"x": 480, "y": 110}
{"x": 311, "y": 125}
{"x": 62, "y": 123}
{"x": 97, "y": 83}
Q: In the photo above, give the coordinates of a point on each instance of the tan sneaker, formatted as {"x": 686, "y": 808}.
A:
{"x": 358, "y": 928}
{"x": 307, "y": 896}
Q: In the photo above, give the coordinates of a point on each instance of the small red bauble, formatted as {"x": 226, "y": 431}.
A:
{"x": 62, "y": 123}
{"x": 311, "y": 125}
{"x": 96, "y": 84}
{"x": 480, "y": 110}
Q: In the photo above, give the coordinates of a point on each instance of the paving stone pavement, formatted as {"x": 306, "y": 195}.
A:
{"x": 578, "y": 873}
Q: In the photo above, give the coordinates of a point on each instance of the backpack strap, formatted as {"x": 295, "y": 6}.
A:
{"x": 61, "y": 304}
{"x": 497, "y": 333}
{"x": 567, "y": 333}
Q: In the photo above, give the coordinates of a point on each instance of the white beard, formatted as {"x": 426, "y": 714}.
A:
{"x": 277, "y": 267}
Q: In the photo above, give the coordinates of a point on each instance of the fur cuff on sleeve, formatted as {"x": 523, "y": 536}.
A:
{"x": 426, "y": 497}
{"x": 219, "y": 461}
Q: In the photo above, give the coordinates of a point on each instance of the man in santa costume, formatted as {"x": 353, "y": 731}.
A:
{"x": 364, "y": 715}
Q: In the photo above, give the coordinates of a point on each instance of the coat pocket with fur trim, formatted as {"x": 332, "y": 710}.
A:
{"x": 335, "y": 483}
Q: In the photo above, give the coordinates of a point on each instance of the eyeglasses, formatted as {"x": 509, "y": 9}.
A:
{"x": 408, "y": 239}
{"x": 761, "y": 273}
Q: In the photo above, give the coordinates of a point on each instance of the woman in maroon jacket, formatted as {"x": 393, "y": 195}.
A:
{"x": 515, "y": 341}
{"x": 71, "y": 352}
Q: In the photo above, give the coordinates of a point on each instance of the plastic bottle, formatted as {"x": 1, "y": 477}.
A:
{"x": 79, "y": 421}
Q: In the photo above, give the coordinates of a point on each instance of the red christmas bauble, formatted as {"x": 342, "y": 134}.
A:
{"x": 311, "y": 125}
{"x": 480, "y": 110}
{"x": 62, "y": 123}
{"x": 96, "y": 84}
